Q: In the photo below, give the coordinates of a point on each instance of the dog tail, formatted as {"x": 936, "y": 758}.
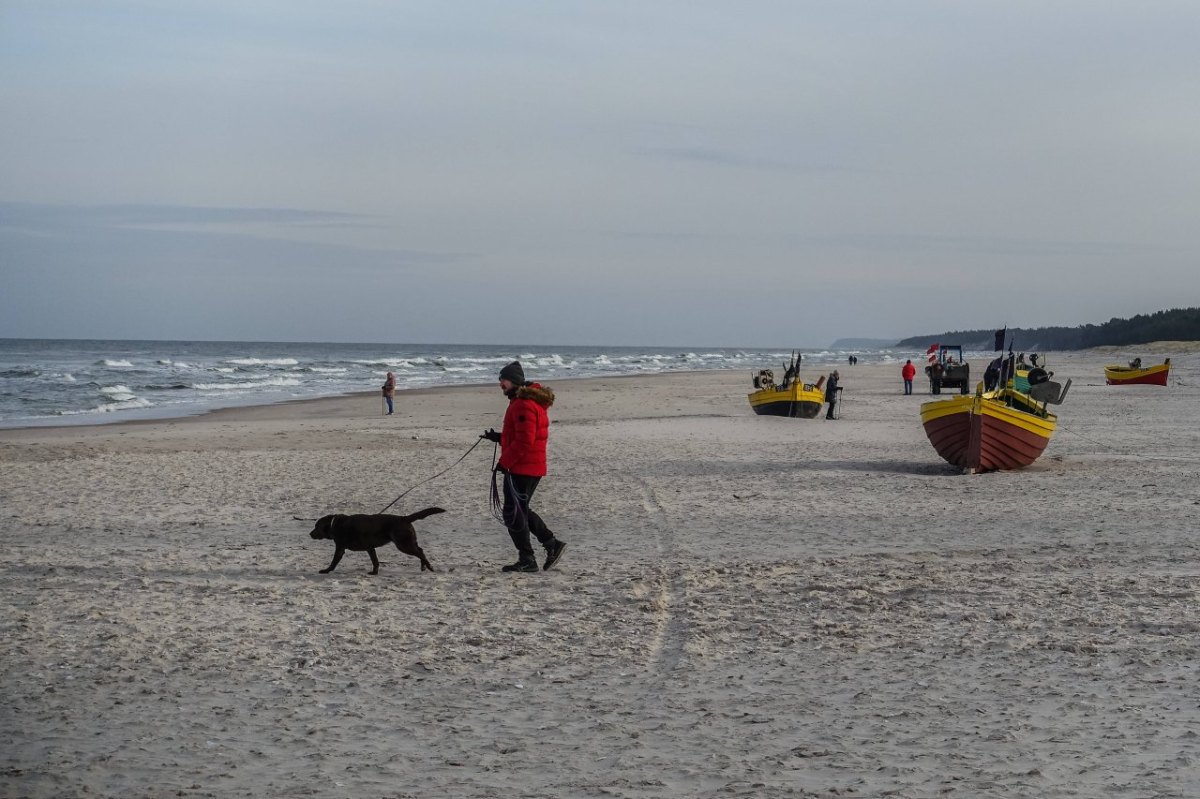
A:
{"x": 421, "y": 514}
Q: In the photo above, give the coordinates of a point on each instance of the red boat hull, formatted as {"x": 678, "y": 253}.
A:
{"x": 985, "y": 436}
{"x": 1145, "y": 376}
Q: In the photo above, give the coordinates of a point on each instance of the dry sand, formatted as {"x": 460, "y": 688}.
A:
{"x": 748, "y": 606}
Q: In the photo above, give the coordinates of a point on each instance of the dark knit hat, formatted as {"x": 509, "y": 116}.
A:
{"x": 513, "y": 373}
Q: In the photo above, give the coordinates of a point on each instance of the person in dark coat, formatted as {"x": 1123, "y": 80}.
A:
{"x": 831, "y": 393}
{"x": 522, "y": 465}
{"x": 991, "y": 375}
{"x": 389, "y": 391}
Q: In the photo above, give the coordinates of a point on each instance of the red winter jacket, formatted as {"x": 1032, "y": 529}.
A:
{"x": 908, "y": 372}
{"x": 526, "y": 431}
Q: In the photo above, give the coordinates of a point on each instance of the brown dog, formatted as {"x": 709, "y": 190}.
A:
{"x": 367, "y": 531}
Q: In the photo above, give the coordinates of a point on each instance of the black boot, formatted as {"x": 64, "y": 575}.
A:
{"x": 525, "y": 560}
{"x": 554, "y": 551}
{"x": 525, "y": 563}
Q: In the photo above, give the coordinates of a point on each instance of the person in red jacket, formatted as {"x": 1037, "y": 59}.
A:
{"x": 908, "y": 372}
{"x": 522, "y": 441}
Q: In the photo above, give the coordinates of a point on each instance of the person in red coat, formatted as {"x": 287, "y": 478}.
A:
{"x": 522, "y": 441}
{"x": 908, "y": 372}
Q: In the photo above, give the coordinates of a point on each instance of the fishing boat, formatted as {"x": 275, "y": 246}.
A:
{"x": 793, "y": 397}
{"x": 1136, "y": 374}
{"x": 992, "y": 430}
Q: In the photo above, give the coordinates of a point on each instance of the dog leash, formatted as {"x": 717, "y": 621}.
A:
{"x": 439, "y": 474}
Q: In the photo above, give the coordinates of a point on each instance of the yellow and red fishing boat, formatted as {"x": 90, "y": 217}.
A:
{"x": 991, "y": 430}
{"x": 792, "y": 398}
{"x": 1136, "y": 374}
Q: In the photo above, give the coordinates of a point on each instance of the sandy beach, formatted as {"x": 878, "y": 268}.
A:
{"x": 749, "y": 606}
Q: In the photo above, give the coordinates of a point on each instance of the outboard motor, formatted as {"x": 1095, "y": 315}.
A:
{"x": 1038, "y": 375}
{"x": 764, "y": 379}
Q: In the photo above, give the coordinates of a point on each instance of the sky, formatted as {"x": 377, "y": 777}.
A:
{"x": 774, "y": 173}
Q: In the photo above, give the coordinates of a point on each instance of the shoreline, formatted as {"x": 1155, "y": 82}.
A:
{"x": 97, "y": 382}
{"x": 254, "y": 409}
{"x": 336, "y": 402}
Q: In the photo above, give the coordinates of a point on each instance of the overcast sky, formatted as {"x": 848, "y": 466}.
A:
{"x": 675, "y": 173}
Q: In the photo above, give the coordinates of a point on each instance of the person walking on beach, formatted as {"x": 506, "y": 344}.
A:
{"x": 908, "y": 372}
{"x": 831, "y": 393}
{"x": 389, "y": 391}
{"x": 522, "y": 465}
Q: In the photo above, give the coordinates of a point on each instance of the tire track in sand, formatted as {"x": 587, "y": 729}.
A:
{"x": 668, "y": 647}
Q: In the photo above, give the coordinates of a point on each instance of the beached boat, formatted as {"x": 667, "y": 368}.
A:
{"x": 792, "y": 398}
{"x": 1136, "y": 374}
{"x": 991, "y": 430}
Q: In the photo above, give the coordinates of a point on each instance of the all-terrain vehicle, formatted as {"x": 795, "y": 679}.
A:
{"x": 949, "y": 370}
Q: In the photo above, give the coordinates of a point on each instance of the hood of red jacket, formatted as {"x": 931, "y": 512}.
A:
{"x": 538, "y": 393}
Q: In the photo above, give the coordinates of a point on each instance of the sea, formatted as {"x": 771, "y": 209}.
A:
{"x": 73, "y": 381}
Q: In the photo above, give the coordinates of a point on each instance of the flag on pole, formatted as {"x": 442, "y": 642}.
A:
{"x": 932, "y": 349}
{"x": 1000, "y": 334}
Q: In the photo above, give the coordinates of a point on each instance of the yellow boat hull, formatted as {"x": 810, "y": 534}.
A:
{"x": 797, "y": 401}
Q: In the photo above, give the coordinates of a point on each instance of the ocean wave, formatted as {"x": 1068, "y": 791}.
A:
{"x": 263, "y": 361}
{"x": 467, "y": 369}
{"x": 123, "y": 405}
{"x": 392, "y": 363}
{"x": 166, "y": 377}
{"x": 481, "y": 359}
{"x": 118, "y": 393}
{"x": 548, "y": 361}
{"x": 270, "y": 382}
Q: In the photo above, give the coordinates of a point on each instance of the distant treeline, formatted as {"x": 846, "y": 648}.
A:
{"x": 1179, "y": 324}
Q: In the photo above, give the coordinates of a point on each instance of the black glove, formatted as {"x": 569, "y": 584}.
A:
{"x": 491, "y": 435}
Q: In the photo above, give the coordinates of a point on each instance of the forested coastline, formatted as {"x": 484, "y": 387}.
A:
{"x": 1180, "y": 324}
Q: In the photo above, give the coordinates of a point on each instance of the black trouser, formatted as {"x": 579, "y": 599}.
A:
{"x": 518, "y": 518}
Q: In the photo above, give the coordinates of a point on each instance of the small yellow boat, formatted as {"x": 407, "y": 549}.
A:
{"x": 797, "y": 400}
{"x": 792, "y": 398}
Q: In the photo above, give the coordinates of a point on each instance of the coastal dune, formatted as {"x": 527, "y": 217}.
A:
{"x": 749, "y": 606}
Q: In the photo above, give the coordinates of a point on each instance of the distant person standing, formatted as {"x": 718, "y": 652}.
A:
{"x": 908, "y": 372}
{"x": 389, "y": 391}
{"x": 831, "y": 394}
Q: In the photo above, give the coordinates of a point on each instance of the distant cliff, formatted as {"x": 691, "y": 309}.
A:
{"x": 1180, "y": 324}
